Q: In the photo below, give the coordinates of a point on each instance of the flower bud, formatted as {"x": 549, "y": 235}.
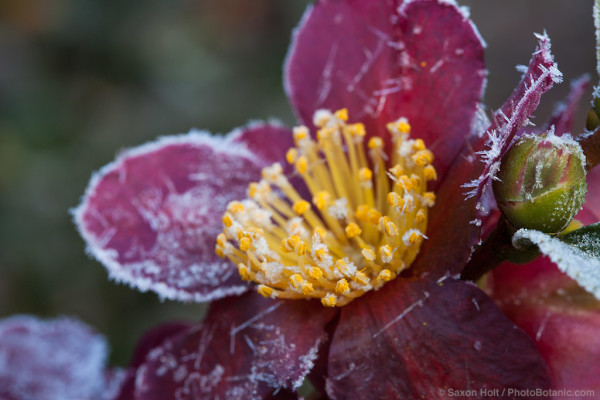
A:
{"x": 541, "y": 182}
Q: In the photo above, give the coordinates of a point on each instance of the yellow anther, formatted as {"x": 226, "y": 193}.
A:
{"x": 324, "y": 134}
{"x": 353, "y": 230}
{"x": 329, "y": 300}
{"x": 300, "y": 133}
{"x": 321, "y": 199}
{"x": 397, "y": 170}
{"x": 418, "y": 145}
{"x": 252, "y": 190}
{"x": 415, "y": 180}
{"x": 301, "y": 248}
{"x": 342, "y": 114}
{"x": 320, "y": 232}
{"x": 420, "y": 217}
{"x": 301, "y": 206}
{"x": 405, "y": 183}
{"x": 403, "y": 126}
{"x": 265, "y": 291}
{"x": 227, "y": 221}
{"x": 342, "y": 287}
{"x": 296, "y": 281}
{"x": 245, "y": 243}
{"x": 343, "y": 267}
{"x": 315, "y": 273}
{"x": 235, "y": 207}
{"x": 375, "y": 143}
{"x": 291, "y": 155}
{"x": 301, "y": 165}
{"x": 365, "y": 174}
{"x": 429, "y": 199}
{"x": 385, "y": 252}
{"x": 289, "y": 244}
{"x": 385, "y": 275}
{"x": 429, "y": 173}
{"x": 399, "y": 126}
{"x": 369, "y": 254}
{"x": 373, "y": 216}
{"x": 321, "y": 253}
{"x": 362, "y": 213}
{"x": 219, "y": 252}
{"x": 361, "y": 278}
{"x": 307, "y": 287}
{"x": 422, "y": 157}
{"x": 357, "y": 130}
{"x": 394, "y": 200}
{"x": 387, "y": 226}
{"x": 244, "y": 272}
{"x": 221, "y": 239}
{"x": 272, "y": 172}
{"x": 412, "y": 238}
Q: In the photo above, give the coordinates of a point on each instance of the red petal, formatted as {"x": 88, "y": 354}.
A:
{"x": 246, "y": 348}
{"x": 541, "y": 74}
{"x": 451, "y": 227}
{"x": 269, "y": 141}
{"x": 422, "y": 60}
{"x": 562, "y": 318}
{"x": 562, "y": 119}
{"x": 425, "y": 337}
{"x": 154, "y": 338}
{"x": 591, "y": 208}
{"x": 152, "y": 216}
{"x": 52, "y": 360}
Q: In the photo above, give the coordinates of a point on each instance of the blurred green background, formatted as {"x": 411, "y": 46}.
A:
{"x": 82, "y": 79}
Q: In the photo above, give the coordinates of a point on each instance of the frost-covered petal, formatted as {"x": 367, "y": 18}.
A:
{"x": 514, "y": 115}
{"x": 269, "y": 141}
{"x": 591, "y": 208}
{"x": 52, "y": 360}
{"x": 563, "y": 116}
{"x": 152, "y": 216}
{"x": 428, "y": 337}
{"x": 383, "y": 60}
{"x": 246, "y": 348}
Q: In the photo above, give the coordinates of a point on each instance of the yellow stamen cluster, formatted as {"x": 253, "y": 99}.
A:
{"x": 364, "y": 226}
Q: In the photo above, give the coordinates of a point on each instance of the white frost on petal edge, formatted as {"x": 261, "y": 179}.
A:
{"x": 572, "y": 261}
{"x": 108, "y": 257}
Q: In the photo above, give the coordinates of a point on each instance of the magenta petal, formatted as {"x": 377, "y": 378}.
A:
{"x": 52, "y": 360}
{"x": 268, "y": 141}
{"x": 591, "y": 208}
{"x": 563, "y": 116}
{"x": 152, "y": 216}
{"x": 383, "y": 60}
{"x": 247, "y": 347}
{"x": 514, "y": 115}
{"x": 563, "y": 320}
{"x": 425, "y": 337}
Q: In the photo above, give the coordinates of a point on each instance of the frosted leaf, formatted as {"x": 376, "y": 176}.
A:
{"x": 577, "y": 254}
{"x": 152, "y": 216}
{"x": 53, "y": 360}
{"x": 246, "y": 348}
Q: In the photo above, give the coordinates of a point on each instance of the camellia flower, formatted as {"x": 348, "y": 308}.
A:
{"x": 352, "y": 227}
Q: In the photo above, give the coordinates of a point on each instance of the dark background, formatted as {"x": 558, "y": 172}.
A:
{"x": 82, "y": 79}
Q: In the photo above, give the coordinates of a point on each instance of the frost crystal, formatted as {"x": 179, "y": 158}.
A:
{"x": 580, "y": 266}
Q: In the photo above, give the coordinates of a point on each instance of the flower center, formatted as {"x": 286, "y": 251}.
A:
{"x": 365, "y": 225}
